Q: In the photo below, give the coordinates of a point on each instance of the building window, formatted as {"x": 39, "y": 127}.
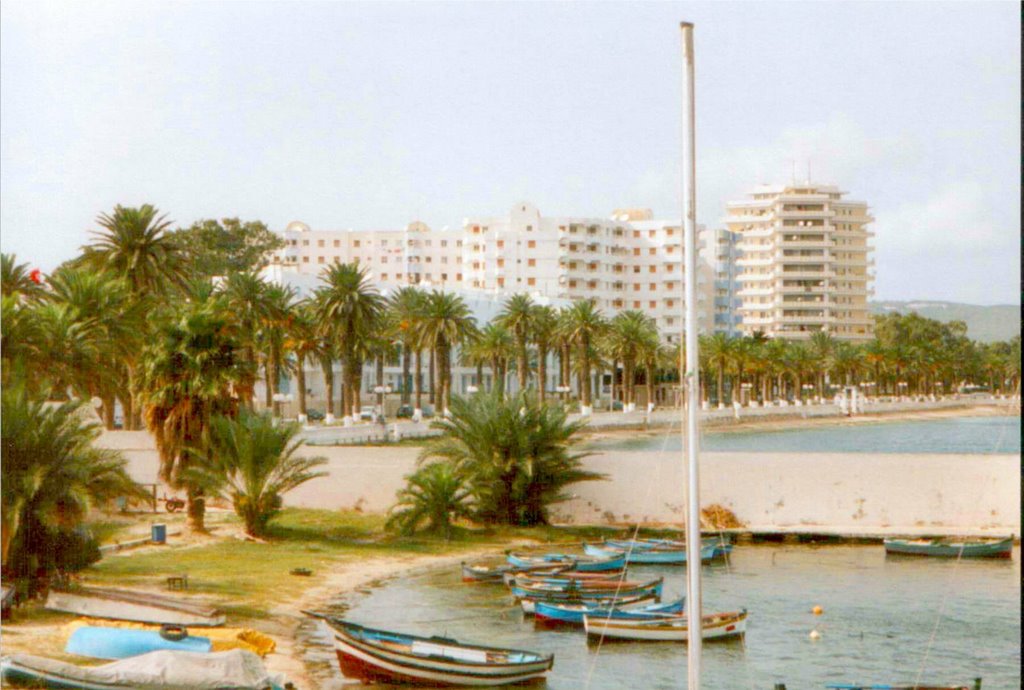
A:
{"x": 636, "y": 287}
{"x": 501, "y": 244}
{"x": 636, "y": 234}
{"x": 531, "y": 281}
{"x": 305, "y": 243}
{"x": 531, "y": 244}
{"x": 320, "y": 259}
{"x": 531, "y": 262}
{"x": 653, "y": 251}
{"x": 651, "y": 233}
{"x": 636, "y": 304}
{"x": 653, "y": 269}
{"x": 319, "y": 243}
{"x": 636, "y": 251}
{"x": 444, "y": 243}
{"x": 305, "y": 259}
{"x": 355, "y": 243}
{"x": 636, "y": 269}
{"x": 444, "y": 277}
{"x": 652, "y": 304}
{"x": 654, "y": 286}
{"x": 458, "y": 277}
{"x": 501, "y": 262}
{"x": 398, "y": 276}
{"x": 572, "y": 283}
{"x": 383, "y": 276}
{"x": 501, "y": 282}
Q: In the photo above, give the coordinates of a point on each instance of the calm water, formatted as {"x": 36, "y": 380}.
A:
{"x": 885, "y": 619}
{"x": 955, "y": 435}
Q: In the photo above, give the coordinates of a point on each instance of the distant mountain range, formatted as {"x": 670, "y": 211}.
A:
{"x": 984, "y": 323}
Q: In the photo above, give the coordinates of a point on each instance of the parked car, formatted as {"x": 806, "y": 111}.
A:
{"x": 404, "y": 412}
{"x": 314, "y": 415}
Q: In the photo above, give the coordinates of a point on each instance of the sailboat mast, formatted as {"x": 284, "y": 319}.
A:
{"x": 692, "y": 403}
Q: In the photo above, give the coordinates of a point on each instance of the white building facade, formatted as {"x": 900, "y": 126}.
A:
{"x": 804, "y": 264}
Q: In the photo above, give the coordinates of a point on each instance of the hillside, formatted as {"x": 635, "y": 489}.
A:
{"x": 984, "y": 323}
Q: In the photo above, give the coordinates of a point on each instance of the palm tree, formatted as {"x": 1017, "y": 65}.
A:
{"x": 253, "y": 461}
{"x": 821, "y": 345}
{"x": 104, "y": 305}
{"x": 17, "y": 278}
{"x": 517, "y": 317}
{"x": 545, "y": 327}
{"x": 775, "y": 366}
{"x": 353, "y": 309}
{"x": 279, "y": 314}
{"x": 406, "y": 307}
{"x": 517, "y": 455}
{"x": 719, "y": 348}
{"x": 435, "y": 494}
{"x": 306, "y": 344}
{"x": 52, "y": 474}
{"x": 246, "y": 300}
{"x": 21, "y": 342}
{"x": 799, "y": 361}
{"x": 446, "y": 322}
{"x": 626, "y": 335}
{"x": 847, "y": 361}
{"x": 584, "y": 327}
{"x": 652, "y": 356}
{"x": 135, "y": 244}
{"x": 190, "y": 375}
{"x": 494, "y": 347}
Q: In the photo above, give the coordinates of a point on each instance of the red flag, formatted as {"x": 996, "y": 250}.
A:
{"x": 37, "y": 276}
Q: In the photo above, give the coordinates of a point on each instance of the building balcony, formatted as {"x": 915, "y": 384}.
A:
{"x": 802, "y": 215}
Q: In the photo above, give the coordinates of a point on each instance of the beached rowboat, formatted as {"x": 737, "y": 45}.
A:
{"x": 717, "y": 626}
{"x": 126, "y": 605}
{"x": 236, "y": 669}
{"x": 550, "y": 613}
{"x": 947, "y": 548}
{"x": 564, "y": 577}
{"x": 389, "y": 657}
{"x": 120, "y": 643}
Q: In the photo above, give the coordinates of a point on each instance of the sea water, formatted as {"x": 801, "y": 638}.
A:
{"x": 885, "y": 619}
{"x": 984, "y": 435}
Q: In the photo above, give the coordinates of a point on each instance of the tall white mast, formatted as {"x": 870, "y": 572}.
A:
{"x": 692, "y": 405}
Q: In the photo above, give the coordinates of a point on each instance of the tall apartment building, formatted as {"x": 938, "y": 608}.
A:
{"x": 721, "y": 247}
{"x": 804, "y": 266}
{"x": 630, "y": 261}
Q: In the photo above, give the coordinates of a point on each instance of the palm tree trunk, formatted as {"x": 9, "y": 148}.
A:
{"x": 357, "y": 387}
{"x": 108, "y": 411}
{"x": 127, "y": 404}
{"x": 542, "y": 372}
{"x": 480, "y": 376}
{"x": 721, "y": 384}
{"x": 431, "y": 374}
{"x": 406, "y": 364}
{"x": 585, "y": 383}
{"x": 300, "y": 381}
{"x": 522, "y": 363}
{"x": 196, "y": 510}
{"x": 615, "y": 385}
{"x": 417, "y": 380}
{"x": 328, "y": 367}
{"x": 649, "y": 375}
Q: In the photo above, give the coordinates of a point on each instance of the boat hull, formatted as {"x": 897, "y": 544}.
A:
{"x": 121, "y": 643}
{"x": 583, "y": 593}
{"x": 126, "y": 605}
{"x": 379, "y": 656}
{"x": 550, "y": 614}
{"x": 651, "y": 556}
{"x": 529, "y": 605}
{"x": 939, "y": 549}
{"x": 714, "y": 627}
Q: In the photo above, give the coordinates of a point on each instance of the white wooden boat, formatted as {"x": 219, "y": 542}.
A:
{"x": 716, "y": 626}
{"x": 128, "y": 605}
{"x": 389, "y": 657}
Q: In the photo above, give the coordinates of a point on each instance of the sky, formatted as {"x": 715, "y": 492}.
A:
{"x": 353, "y": 115}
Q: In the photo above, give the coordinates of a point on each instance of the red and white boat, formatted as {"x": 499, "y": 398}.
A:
{"x": 380, "y": 656}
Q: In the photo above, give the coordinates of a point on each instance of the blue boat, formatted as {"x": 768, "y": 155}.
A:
{"x": 904, "y": 686}
{"x": 548, "y": 613}
{"x": 952, "y": 548}
{"x": 722, "y": 547}
{"x": 599, "y": 564}
{"x": 121, "y": 643}
{"x": 575, "y": 592}
{"x": 652, "y": 556}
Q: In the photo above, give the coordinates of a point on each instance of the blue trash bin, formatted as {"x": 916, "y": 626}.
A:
{"x": 159, "y": 534}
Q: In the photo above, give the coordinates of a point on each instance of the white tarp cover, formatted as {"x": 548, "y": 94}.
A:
{"x": 236, "y": 668}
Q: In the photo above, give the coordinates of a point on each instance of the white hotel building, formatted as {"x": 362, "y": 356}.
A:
{"x": 804, "y": 264}
{"x": 629, "y": 261}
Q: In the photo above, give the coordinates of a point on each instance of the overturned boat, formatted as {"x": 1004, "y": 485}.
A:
{"x": 128, "y": 605}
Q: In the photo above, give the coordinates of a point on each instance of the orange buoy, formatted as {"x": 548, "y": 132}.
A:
{"x": 817, "y": 610}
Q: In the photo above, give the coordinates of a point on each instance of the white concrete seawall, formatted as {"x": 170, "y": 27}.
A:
{"x": 842, "y": 493}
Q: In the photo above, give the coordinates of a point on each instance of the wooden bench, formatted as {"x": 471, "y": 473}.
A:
{"x": 177, "y": 582}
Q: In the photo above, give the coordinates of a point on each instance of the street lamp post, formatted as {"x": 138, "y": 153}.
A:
{"x": 381, "y": 391}
{"x": 563, "y": 391}
{"x": 279, "y": 398}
